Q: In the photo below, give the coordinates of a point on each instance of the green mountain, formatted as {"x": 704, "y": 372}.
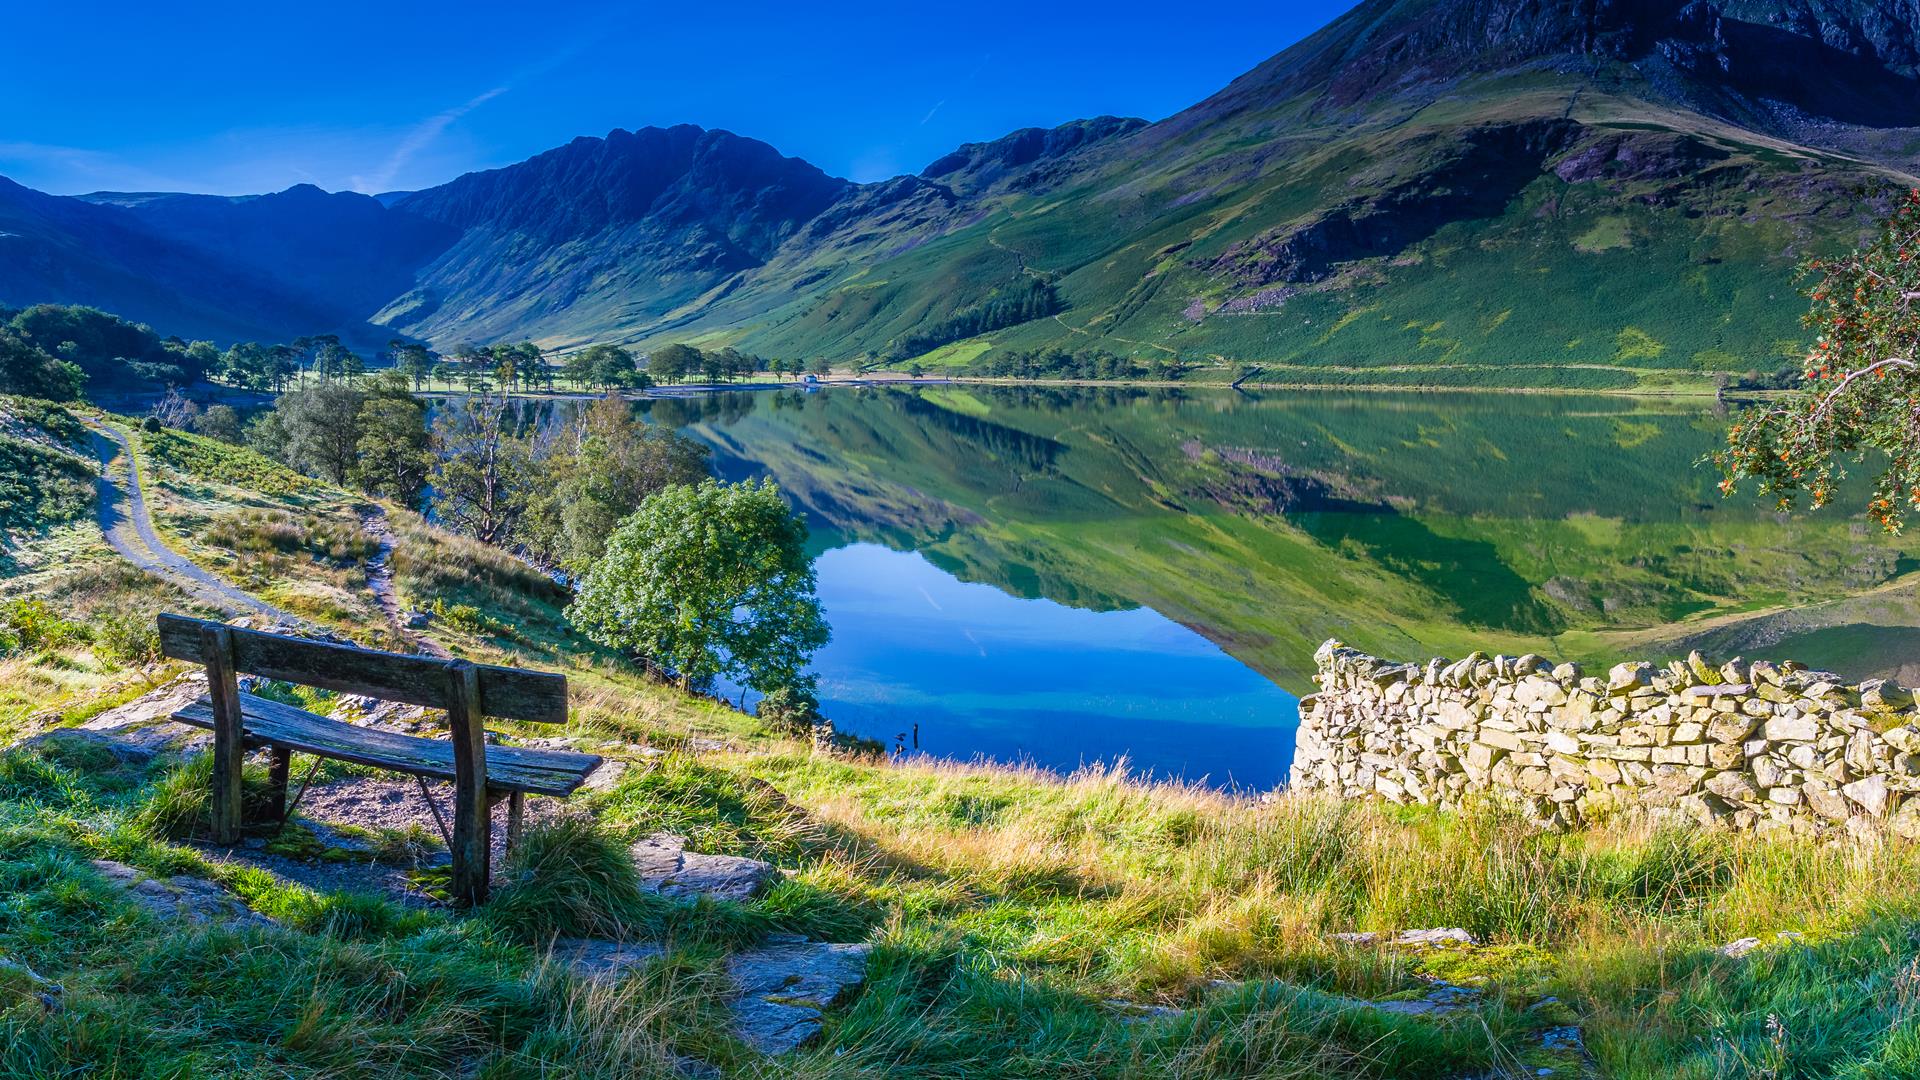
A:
{"x": 1571, "y": 190}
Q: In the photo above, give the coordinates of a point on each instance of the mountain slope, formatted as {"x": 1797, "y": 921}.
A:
{"x": 68, "y": 250}
{"x": 344, "y": 250}
{"x": 1405, "y": 186}
{"x": 604, "y": 231}
{"x": 1610, "y": 187}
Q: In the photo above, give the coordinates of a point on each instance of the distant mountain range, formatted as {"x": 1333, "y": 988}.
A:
{"x": 1579, "y": 185}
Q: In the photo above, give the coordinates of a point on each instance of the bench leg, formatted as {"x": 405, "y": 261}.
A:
{"x": 516, "y": 818}
{"x": 277, "y": 782}
{"x": 472, "y": 821}
{"x": 229, "y": 747}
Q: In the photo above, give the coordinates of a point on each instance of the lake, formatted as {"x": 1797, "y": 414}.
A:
{"x": 1069, "y": 576}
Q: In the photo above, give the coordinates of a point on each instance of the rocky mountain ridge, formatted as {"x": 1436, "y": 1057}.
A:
{"x": 1356, "y": 181}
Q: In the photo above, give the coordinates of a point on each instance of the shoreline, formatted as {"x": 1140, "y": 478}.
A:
{"x": 215, "y": 391}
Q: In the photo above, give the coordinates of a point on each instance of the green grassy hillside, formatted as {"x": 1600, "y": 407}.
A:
{"x": 1021, "y": 924}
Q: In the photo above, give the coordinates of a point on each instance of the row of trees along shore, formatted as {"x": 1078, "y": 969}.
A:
{"x": 516, "y": 366}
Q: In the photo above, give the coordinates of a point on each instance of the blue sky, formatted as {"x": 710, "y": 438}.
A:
{"x": 238, "y": 98}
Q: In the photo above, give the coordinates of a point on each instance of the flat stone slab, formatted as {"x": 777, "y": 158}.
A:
{"x": 604, "y": 961}
{"x": 1443, "y": 935}
{"x": 785, "y": 985}
{"x": 666, "y": 867}
{"x": 1442, "y": 1000}
{"x": 193, "y": 899}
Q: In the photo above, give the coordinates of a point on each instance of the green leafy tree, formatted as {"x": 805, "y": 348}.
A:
{"x": 1861, "y": 395}
{"x": 109, "y": 350}
{"x": 29, "y": 370}
{"x": 705, "y": 581}
{"x": 322, "y": 429}
{"x": 413, "y": 360}
{"x": 218, "y": 422}
{"x": 609, "y": 367}
{"x": 614, "y": 462}
{"x": 671, "y": 363}
{"x": 395, "y": 454}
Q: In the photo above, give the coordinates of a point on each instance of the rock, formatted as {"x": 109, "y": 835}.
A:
{"x": 610, "y": 772}
{"x": 1734, "y": 787}
{"x": 51, "y": 995}
{"x": 1828, "y": 804}
{"x": 666, "y": 867}
{"x": 1734, "y": 950}
{"x": 1356, "y": 937}
{"x": 1133, "y": 1012}
{"x": 193, "y": 899}
{"x": 1792, "y": 729}
{"x": 1885, "y": 694}
{"x": 1451, "y": 935}
{"x": 603, "y": 961}
{"x": 1564, "y": 1039}
{"x": 1629, "y": 676}
{"x": 1906, "y": 820}
{"x": 1443, "y": 999}
{"x": 1702, "y": 670}
{"x": 784, "y": 987}
{"x": 417, "y": 620}
{"x": 82, "y": 744}
{"x": 1567, "y": 672}
{"x": 1730, "y": 727}
{"x": 1870, "y": 793}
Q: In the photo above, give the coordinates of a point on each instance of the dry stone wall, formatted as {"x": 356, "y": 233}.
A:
{"x": 1764, "y": 746}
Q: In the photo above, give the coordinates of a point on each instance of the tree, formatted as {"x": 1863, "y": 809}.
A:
{"x": 218, "y": 422}
{"x": 29, "y": 370}
{"x": 246, "y": 364}
{"x": 108, "y": 350}
{"x": 394, "y": 451}
{"x": 819, "y": 365}
{"x": 484, "y": 475}
{"x": 706, "y": 581}
{"x": 578, "y": 368}
{"x": 609, "y": 367}
{"x": 413, "y": 360}
{"x": 322, "y": 429}
{"x": 1862, "y": 384}
{"x": 671, "y": 363}
{"x": 174, "y": 410}
{"x": 616, "y": 461}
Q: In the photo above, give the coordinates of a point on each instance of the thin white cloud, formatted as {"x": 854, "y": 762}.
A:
{"x": 418, "y": 138}
{"x": 930, "y": 112}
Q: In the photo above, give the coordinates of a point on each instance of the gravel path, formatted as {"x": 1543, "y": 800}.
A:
{"x": 128, "y": 527}
{"x": 373, "y": 521}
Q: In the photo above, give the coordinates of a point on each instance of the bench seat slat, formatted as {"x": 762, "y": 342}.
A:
{"x": 509, "y": 768}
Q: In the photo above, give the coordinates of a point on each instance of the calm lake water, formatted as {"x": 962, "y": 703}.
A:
{"x": 1074, "y": 576}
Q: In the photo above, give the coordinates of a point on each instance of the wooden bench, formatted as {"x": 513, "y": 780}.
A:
{"x": 482, "y": 775}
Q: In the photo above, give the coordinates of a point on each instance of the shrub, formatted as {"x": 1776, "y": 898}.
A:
{"x": 127, "y": 638}
{"x": 34, "y": 625}
{"x": 789, "y": 709}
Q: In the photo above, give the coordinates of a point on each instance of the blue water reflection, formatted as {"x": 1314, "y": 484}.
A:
{"x": 985, "y": 673}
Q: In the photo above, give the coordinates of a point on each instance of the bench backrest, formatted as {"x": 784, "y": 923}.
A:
{"x": 507, "y": 693}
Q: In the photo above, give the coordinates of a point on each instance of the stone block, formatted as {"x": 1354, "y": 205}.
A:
{"x": 1792, "y": 728}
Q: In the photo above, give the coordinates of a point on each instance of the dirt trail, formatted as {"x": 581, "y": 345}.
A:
{"x": 123, "y": 517}
{"x": 373, "y": 522}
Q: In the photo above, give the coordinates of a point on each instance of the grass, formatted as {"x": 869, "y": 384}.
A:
{"x": 1009, "y": 910}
